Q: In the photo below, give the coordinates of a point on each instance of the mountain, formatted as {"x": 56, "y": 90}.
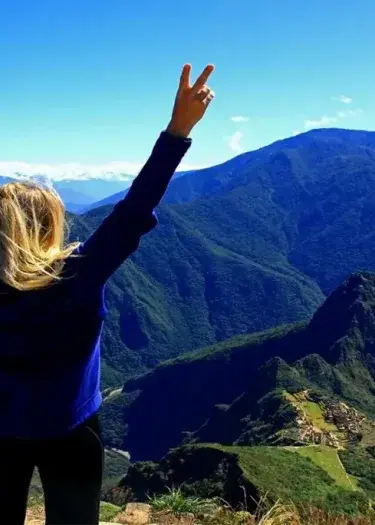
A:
{"x": 93, "y": 189}
{"x": 80, "y": 195}
{"x": 74, "y": 201}
{"x": 114, "y": 198}
{"x": 288, "y": 414}
{"x": 107, "y": 201}
{"x": 183, "y": 289}
{"x": 226, "y": 393}
{"x": 310, "y": 477}
{"x": 315, "y": 190}
{"x": 73, "y": 207}
{"x": 77, "y": 195}
{"x": 5, "y": 180}
{"x": 264, "y": 249}
{"x": 212, "y": 181}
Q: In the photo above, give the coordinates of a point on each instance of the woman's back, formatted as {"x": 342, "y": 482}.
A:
{"x": 49, "y": 355}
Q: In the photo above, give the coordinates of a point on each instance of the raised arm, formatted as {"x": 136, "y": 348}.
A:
{"x": 119, "y": 234}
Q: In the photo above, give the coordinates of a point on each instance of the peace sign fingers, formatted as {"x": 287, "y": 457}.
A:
{"x": 185, "y": 77}
{"x": 190, "y": 102}
{"x": 202, "y": 79}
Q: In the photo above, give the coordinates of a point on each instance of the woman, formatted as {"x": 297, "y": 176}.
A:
{"x": 51, "y": 315}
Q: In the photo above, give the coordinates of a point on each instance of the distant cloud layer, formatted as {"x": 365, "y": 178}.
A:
{"x": 110, "y": 171}
{"x": 240, "y": 118}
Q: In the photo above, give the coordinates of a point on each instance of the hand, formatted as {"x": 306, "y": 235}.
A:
{"x": 191, "y": 102}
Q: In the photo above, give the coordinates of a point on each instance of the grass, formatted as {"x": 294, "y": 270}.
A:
{"x": 276, "y": 515}
{"x": 208, "y": 512}
{"x": 172, "y": 509}
{"x": 108, "y": 511}
{"x": 227, "y": 517}
{"x": 315, "y": 414}
{"x": 280, "y": 514}
{"x": 175, "y": 501}
{"x": 281, "y": 474}
{"x": 328, "y": 459}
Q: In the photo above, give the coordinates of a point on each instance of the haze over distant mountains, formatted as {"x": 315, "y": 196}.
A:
{"x": 84, "y": 193}
{"x": 78, "y": 194}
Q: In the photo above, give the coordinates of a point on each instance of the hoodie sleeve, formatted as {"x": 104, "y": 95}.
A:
{"x": 118, "y": 236}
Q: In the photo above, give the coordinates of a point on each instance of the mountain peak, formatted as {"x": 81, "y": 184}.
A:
{"x": 350, "y": 308}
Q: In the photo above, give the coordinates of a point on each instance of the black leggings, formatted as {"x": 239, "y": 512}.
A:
{"x": 70, "y": 468}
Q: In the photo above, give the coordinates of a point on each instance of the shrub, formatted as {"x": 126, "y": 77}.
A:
{"x": 176, "y": 501}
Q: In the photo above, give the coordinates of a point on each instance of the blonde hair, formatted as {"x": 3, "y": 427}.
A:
{"x": 32, "y": 236}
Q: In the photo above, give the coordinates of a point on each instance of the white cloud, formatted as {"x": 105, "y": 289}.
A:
{"x": 355, "y": 112}
{"x": 239, "y": 118}
{"x": 320, "y": 123}
{"x": 296, "y": 132}
{"x": 328, "y": 120}
{"x": 349, "y": 113}
{"x": 344, "y": 99}
{"x": 73, "y": 171}
{"x": 234, "y": 142}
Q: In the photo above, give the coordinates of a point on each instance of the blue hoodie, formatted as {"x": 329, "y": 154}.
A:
{"x": 50, "y": 338}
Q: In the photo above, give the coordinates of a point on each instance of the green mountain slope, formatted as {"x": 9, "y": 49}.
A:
{"x": 182, "y": 290}
{"x": 249, "y": 475}
{"x": 263, "y": 235}
{"x": 228, "y": 392}
{"x": 286, "y": 415}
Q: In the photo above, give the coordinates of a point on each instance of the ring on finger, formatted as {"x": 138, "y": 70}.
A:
{"x": 202, "y": 94}
{"x": 209, "y": 98}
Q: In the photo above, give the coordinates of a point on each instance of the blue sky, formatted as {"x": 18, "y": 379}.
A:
{"x": 85, "y": 83}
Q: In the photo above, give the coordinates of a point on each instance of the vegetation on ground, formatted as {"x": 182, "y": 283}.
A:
{"x": 328, "y": 459}
{"x": 108, "y": 511}
{"x": 176, "y": 501}
{"x": 226, "y": 393}
{"x": 359, "y": 463}
{"x": 246, "y": 476}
